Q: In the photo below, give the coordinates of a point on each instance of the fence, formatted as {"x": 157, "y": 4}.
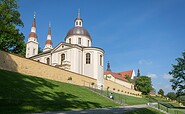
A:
{"x": 167, "y": 107}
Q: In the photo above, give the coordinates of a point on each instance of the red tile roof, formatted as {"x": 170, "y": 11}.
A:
{"x": 116, "y": 75}
{"x": 129, "y": 73}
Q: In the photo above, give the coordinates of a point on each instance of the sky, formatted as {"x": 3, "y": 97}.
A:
{"x": 135, "y": 34}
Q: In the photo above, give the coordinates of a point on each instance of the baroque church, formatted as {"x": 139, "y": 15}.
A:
{"x": 75, "y": 54}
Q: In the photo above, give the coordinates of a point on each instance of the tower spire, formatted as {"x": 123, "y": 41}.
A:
{"x": 48, "y": 44}
{"x": 78, "y": 12}
{"x": 32, "y": 44}
{"x": 34, "y": 20}
{"x": 108, "y": 66}
{"x": 138, "y": 73}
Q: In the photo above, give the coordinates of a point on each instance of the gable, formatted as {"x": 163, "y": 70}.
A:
{"x": 61, "y": 46}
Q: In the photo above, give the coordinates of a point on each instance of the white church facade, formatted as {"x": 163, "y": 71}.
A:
{"x": 75, "y": 54}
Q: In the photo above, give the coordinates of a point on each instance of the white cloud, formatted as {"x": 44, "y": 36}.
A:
{"x": 152, "y": 75}
{"x": 145, "y": 62}
{"x": 167, "y": 76}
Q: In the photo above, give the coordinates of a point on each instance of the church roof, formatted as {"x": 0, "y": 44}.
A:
{"x": 78, "y": 31}
{"x": 32, "y": 34}
{"x": 116, "y": 75}
{"x": 128, "y": 73}
{"x": 49, "y": 42}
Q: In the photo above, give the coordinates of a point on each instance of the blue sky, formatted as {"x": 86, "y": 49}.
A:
{"x": 144, "y": 34}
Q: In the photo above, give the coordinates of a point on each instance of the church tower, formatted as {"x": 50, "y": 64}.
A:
{"x": 48, "y": 44}
{"x": 32, "y": 44}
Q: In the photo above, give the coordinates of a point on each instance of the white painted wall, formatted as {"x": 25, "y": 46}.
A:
{"x": 84, "y": 40}
{"x": 30, "y": 47}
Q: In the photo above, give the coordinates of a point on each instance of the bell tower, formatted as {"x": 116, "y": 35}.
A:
{"x": 32, "y": 44}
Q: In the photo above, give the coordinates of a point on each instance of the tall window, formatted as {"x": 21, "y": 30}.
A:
{"x": 48, "y": 61}
{"x": 101, "y": 60}
{"x": 79, "y": 40}
{"x": 33, "y": 51}
{"x": 80, "y": 23}
{"x": 88, "y": 43}
{"x": 88, "y": 58}
{"x": 70, "y": 40}
{"x": 62, "y": 57}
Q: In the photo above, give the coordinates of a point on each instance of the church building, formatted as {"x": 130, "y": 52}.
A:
{"x": 75, "y": 54}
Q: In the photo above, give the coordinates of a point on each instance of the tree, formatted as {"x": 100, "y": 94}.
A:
{"x": 143, "y": 84}
{"x": 129, "y": 78}
{"x": 11, "y": 39}
{"x": 161, "y": 92}
{"x": 171, "y": 95}
{"x": 178, "y": 73}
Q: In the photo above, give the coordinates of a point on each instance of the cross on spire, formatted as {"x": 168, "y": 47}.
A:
{"x": 34, "y": 14}
{"x": 78, "y": 12}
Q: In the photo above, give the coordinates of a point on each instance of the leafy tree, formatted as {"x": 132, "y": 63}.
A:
{"x": 11, "y": 39}
{"x": 178, "y": 73}
{"x": 40, "y": 50}
{"x": 171, "y": 95}
{"x": 161, "y": 92}
{"x": 181, "y": 99}
{"x": 143, "y": 84}
{"x": 128, "y": 78}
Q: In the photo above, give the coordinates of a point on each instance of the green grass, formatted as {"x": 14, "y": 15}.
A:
{"x": 145, "y": 111}
{"x": 131, "y": 100}
{"x": 171, "y": 108}
{"x": 24, "y": 94}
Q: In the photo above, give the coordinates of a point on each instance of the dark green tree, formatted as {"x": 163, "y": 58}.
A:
{"x": 161, "y": 92}
{"x": 171, "y": 95}
{"x": 11, "y": 39}
{"x": 178, "y": 73}
{"x": 143, "y": 84}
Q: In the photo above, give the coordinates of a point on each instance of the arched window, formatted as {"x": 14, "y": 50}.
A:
{"x": 88, "y": 58}
{"x": 101, "y": 60}
{"x": 48, "y": 61}
{"x": 62, "y": 57}
{"x": 80, "y": 23}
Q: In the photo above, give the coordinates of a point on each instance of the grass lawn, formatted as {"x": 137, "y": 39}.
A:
{"x": 23, "y": 94}
{"x": 145, "y": 111}
{"x": 130, "y": 100}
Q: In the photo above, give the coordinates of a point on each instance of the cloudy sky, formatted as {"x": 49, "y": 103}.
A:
{"x": 135, "y": 34}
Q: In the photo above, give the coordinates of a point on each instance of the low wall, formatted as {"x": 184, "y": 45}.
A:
{"x": 19, "y": 64}
{"x": 112, "y": 86}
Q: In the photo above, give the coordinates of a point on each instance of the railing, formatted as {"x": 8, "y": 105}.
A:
{"x": 115, "y": 97}
{"x": 167, "y": 108}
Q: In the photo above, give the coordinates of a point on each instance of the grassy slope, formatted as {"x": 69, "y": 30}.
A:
{"x": 23, "y": 93}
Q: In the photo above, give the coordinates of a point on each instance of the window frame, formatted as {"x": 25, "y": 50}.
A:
{"x": 88, "y": 58}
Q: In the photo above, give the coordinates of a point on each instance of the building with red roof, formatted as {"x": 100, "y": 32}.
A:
{"x": 120, "y": 77}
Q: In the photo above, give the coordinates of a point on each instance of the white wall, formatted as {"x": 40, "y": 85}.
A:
{"x": 30, "y": 46}
{"x": 84, "y": 40}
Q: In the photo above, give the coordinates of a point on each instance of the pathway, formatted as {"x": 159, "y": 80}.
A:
{"x": 116, "y": 110}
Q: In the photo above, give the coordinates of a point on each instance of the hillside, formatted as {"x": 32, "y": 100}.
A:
{"x": 22, "y": 93}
